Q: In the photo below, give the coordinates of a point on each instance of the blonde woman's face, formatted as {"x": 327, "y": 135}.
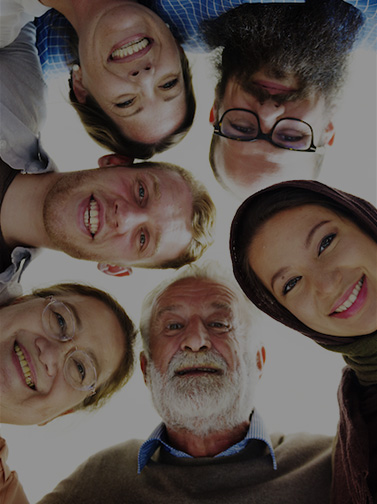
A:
{"x": 130, "y": 63}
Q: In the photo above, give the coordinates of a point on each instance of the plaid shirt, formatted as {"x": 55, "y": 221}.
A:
{"x": 257, "y": 430}
{"x": 183, "y": 17}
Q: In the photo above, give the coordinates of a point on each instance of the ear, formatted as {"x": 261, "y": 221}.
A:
{"x": 78, "y": 87}
{"x": 115, "y": 160}
{"x": 72, "y": 410}
{"x": 144, "y": 365}
{"x": 213, "y": 113}
{"x": 261, "y": 359}
{"x": 114, "y": 270}
{"x": 329, "y": 134}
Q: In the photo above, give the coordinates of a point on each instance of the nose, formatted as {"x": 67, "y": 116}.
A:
{"x": 142, "y": 69}
{"x": 127, "y": 217}
{"x": 196, "y": 337}
{"x": 269, "y": 112}
{"x": 51, "y": 354}
{"x": 326, "y": 281}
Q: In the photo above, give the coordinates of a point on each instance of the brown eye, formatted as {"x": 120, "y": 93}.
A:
{"x": 325, "y": 243}
{"x": 291, "y": 284}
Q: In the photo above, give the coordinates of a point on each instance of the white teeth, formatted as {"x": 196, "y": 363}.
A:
{"x": 130, "y": 48}
{"x": 24, "y": 366}
{"x": 352, "y": 298}
{"x": 91, "y": 220}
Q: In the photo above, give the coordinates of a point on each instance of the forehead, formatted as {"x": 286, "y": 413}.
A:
{"x": 302, "y": 216}
{"x": 194, "y": 295}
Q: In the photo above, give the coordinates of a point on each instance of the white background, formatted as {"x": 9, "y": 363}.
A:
{"x": 298, "y": 389}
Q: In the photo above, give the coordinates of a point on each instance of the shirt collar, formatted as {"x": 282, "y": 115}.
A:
{"x": 257, "y": 430}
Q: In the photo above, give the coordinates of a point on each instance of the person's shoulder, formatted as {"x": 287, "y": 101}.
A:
{"x": 101, "y": 478}
{"x": 122, "y": 452}
{"x": 302, "y": 449}
{"x": 301, "y": 439}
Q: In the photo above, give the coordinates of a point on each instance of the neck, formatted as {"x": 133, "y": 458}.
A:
{"x": 209, "y": 445}
{"x": 21, "y": 217}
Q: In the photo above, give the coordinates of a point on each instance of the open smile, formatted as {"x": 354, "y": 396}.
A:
{"x": 353, "y": 302}
{"x": 198, "y": 370}
{"x": 131, "y": 50}
{"x": 91, "y": 217}
{"x": 24, "y": 366}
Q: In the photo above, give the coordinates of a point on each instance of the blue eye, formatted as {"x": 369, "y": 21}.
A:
{"x": 170, "y": 84}
{"x": 81, "y": 370}
{"x": 60, "y": 324}
{"x": 291, "y": 284}
{"x": 142, "y": 239}
{"x": 325, "y": 242}
{"x": 141, "y": 192}
{"x": 125, "y": 104}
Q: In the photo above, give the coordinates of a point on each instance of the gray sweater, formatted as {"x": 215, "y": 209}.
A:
{"x": 303, "y": 476}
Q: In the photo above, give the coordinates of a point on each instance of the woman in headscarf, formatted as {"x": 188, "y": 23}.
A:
{"x": 306, "y": 255}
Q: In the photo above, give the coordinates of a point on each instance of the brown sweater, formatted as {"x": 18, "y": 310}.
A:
{"x": 303, "y": 476}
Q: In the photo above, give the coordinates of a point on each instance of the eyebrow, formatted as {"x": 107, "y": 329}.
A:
{"x": 170, "y": 308}
{"x": 151, "y": 251}
{"x": 75, "y": 313}
{"x": 312, "y": 231}
{"x": 132, "y": 113}
{"x": 277, "y": 275}
{"x": 95, "y": 360}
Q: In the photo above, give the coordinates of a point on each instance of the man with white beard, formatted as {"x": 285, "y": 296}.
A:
{"x": 202, "y": 361}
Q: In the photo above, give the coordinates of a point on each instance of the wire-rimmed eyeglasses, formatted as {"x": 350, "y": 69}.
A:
{"x": 59, "y": 324}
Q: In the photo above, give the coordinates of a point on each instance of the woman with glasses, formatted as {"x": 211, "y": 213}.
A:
{"x": 62, "y": 348}
{"x": 306, "y": 255}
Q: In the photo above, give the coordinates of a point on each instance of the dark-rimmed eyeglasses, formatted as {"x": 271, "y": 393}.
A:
{"x": 289, "y": 133}
{"x": 59, "y": 324}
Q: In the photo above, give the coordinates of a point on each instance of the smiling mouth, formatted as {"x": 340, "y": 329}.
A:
{"x": 130, "y": 48}
{"x": 24, "y": 366}
{"x": 352, "y": 298}
{"x": 197, "y": 370}
{"x": 91, "y": 219}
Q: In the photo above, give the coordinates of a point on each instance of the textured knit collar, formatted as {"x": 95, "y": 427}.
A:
{"x": 257, "y": 430}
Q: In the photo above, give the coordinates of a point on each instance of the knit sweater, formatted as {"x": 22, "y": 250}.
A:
{"x": 110, "y": 476}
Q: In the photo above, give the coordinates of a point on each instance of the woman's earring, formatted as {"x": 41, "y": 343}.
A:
{"x": 75, "y": 67}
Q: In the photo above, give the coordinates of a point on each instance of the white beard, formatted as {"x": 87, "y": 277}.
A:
{"x": 207, "y": 403}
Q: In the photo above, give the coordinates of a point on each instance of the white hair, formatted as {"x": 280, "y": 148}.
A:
{"x": 209, "y": 270}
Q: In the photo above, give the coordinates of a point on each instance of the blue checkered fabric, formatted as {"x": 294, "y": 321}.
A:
{"x": 53, "y": 43}
{"x": 183, "y": 17}
{"x": 257, "y": 430}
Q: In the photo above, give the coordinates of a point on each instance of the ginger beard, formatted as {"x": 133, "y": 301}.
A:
{"x": 206, "y": 402}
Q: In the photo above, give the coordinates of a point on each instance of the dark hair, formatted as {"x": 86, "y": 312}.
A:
{"x": 260, "y": 207}
{"x": 124, "y": 371}
{"x": 310, "y": 40}
{"x": 103, "y": 130}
